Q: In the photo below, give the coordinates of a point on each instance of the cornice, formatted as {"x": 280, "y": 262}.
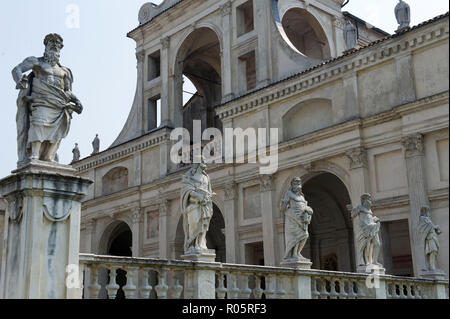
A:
{"x": 335, "y": 69}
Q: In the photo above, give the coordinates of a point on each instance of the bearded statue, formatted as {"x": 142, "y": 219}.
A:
{"x": 45, "y": 103}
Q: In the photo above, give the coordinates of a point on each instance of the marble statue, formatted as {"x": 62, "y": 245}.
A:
{"x": 96, "y": 145}
{"x": 197, "y": 207}
{"x": 367, "y": 229}
{"x": 429, "y": 236}
{"x": 76, "y": 154}
{"x": 298, "y": 216}
{"x": 350, "y": 36}
{"x": 403, "y": 15}
{"x": 45, "y": 103}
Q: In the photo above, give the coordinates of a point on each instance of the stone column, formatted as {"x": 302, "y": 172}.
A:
{"x": 262, "y": 25}
{"x": 359, "y": 184}
{"x": 142, "y": 124}
{"x": 165, "y": 105}
{"x": 268, "y": 219}
{"x": 227, "y": 88}
{"x": 136, "y": 230}
{"x": 418, "y": 198}
{"x": 43, "y": 226}
{"x": 231, "y": 236}
{"x": 163, "y": 229}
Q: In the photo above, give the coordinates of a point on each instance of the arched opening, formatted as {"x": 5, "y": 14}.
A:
{"x": 118, "y": 242}
{"x": 306, "y": 34}
{"x": 215, "y": 238}
{"x": 330, "y": 246}
{"x": 198, "y": 80}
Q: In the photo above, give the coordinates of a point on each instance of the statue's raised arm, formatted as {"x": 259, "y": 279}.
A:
{"x": 45, "y": 103}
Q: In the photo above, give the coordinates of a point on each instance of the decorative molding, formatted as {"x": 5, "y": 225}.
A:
{"x": 136, "y": 215}
{"x": 358, "y": 157}
{"x": 225, "y": 9}
{"x": 266, "y": 183}
{"x": 231, "y": 191}
{"x": 414, "y": 145}
{"x": 165, "y": 42}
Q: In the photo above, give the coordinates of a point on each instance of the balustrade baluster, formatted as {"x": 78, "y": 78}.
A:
{"x": 130, "y": 290}
{"x": 162, "y": 288}
{"x": 188, "y": 286}
{"x": 271, "y": 285}
{"x": 281, "y": 292}
{"x": 233, "y": 290}
{"x": 112, "y": 287}
{"x": 146, "y": 288}
{"x": 94, "y": 287}
{"x": 245, "y": 291}
{"x": 176, "y": 290}
{"x": 221, "y": 291}
{"x": 315, "y": 293}
{"x": 258, "y": 291}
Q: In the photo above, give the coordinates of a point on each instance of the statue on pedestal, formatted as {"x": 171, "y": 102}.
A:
{"x": 96, "y": 145}
{"x": 403, "y": 15}
{"x": 367, "y": 229}
{"x": 197, "y": 208}
{"x": 45, "y": 103}
{"x": 350, "y": 36}
{"x": 76, "y": 154}
{"x": 429, "y": 236}
{"x": 298, "y": 216}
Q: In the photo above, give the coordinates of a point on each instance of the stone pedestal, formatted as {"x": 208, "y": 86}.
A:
{"x": 296, "y": 263}
{"x": 433, "y": 274}
{"x": 42, "y": 224}
{"x": 202, "y": 282}
{"x": 371, "y": 269}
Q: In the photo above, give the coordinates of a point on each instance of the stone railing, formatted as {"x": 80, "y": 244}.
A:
{"x": 107, "y": 277}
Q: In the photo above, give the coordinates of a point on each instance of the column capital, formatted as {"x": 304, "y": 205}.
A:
{"x": 164, "y": 207}
{"x": 266, "y": 183}
{"x": 136, "y": 215}
{"x": 165, "y": 42}
{"x": 231, "y": 191}
{"x": 414, "y": 145}
{"x": 140, "y": 56}
{"x": 358, "y": 157}
{"x": 226, "y": 9}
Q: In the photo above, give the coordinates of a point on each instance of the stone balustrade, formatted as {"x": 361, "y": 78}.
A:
{"x": 174, "y": 279}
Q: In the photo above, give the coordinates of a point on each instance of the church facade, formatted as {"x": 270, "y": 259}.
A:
{"x": 368, "y": 119}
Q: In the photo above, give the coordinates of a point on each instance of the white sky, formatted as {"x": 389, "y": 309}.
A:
{"x": 103, "y": 60}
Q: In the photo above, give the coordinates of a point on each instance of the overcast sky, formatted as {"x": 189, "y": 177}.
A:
{"x": 103, "y": 59}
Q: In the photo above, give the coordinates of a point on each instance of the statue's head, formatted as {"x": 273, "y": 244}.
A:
{"x": 296, "y": 184}
{"x": 199, "y": 163}
{"x": 366, "y": 200}
{"x": 425, "y": 211}
{"x": 53, "y": 44}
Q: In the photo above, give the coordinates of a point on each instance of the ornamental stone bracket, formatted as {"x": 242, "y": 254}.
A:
{"x": 165, "y": 42}
{"x": 231, "y": 191}
{"x": 414, "y": 145}
{"x": 226, "y": 9}
{"x": 358, "y": 157}
{"x": 266, "y": 183}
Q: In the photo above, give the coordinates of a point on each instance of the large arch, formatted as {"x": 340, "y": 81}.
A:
{"x": 199, "y": 60}
{"x": 215, "y": 238}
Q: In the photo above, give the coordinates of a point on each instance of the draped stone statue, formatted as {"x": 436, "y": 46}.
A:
{"x": 298, "y": 216}
{"x": 350, "y": 36}
{"x": 403, "y": 15}
{"x": 367, "y": 228}
{"x": 96, "y": 145}
{"x": 428, "y": 233}
{"x": 197, "y": 208}
{"x": 45, "y": 103}
{"x": 76, "y": 154}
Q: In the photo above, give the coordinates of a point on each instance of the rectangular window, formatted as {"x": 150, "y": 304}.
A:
{"x": 245, "y": 20}
{"x": 154, "y": 113}
{"x": 154, "y": 66}
{"x": 247, "y": 71}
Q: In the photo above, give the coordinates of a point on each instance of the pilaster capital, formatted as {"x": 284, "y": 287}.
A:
{"x": 164, "y": 207}
{"x": 358, "y": 157}
{"x": 226, "y": 9}
{"x": 266, "y": 183}
{"x": 165, "y": 42}
{"x": 140, "y": 56}
{"x": 136, "y": 215}
{"x": 231, "y": 191}
{"x": 414, "y": 145}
